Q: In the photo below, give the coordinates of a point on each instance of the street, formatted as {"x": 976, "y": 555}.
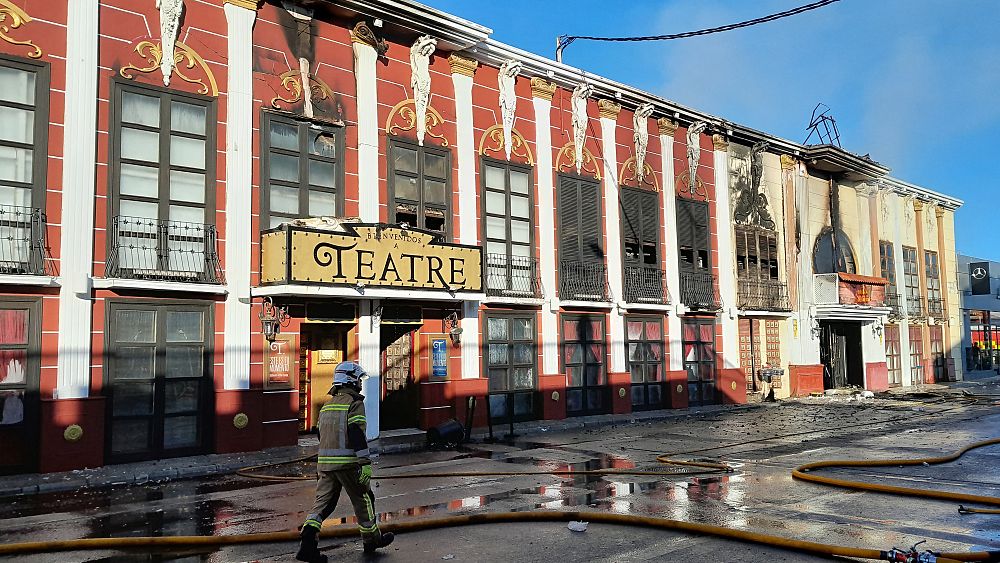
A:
{"x": 761, "y": 442}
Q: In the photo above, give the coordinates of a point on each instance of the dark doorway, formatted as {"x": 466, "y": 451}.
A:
{"x": 841, "y": 356}
{"x": 400, "y": 396}
{"x": 699, "y": 360}
{"x": 583, "y": 359}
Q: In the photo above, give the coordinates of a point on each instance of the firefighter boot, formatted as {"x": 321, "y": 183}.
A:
{"x": 309, "y": 547}
{"x": 383, "y": 540}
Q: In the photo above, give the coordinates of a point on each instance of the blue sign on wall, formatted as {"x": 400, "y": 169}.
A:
{"x": 439, "y": 357}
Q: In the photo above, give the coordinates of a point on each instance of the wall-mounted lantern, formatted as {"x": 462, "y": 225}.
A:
{"x": 454, "y": 331}
{"x": 271, "y": 319}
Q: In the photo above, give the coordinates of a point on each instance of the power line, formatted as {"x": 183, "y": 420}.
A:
{"x": 563, "y": 41}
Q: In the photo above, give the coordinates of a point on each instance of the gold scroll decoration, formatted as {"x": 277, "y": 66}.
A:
{"x": 291, "y": 81}
{"x": 566, "y": 161}
{"x": 700, "y": 193}
{"x": 13, "y": 17}
{"x": 403, "y": 117}
{"x": 492, "y": 144}
{"x": 628, "y": 176}
{"x": 186, "y": 60}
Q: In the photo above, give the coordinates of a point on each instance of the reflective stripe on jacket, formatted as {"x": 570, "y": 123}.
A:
{"x": 337, "y": 448}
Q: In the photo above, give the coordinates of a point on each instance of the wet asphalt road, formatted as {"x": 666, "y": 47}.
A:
{"x": 762, "y": 443}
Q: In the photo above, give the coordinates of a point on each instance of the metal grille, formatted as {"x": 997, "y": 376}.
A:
{"x": 935, "y": 307}
{"x": 915, "y": 307}
{"x": 698, "y": 290}
{"x": 763, "y": 295}
{"x": 512, "y": 276}
{"x": 583, "y": 281}
{"x": 893, "y": 300}
{"x": 826, "y": 289}
{"x": 150, "y": 249}
{"x": 23, "y": 249}
{"x": 645, "y": 285}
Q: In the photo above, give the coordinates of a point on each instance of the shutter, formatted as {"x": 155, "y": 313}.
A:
{"x": 685, "y": 230}
{"x": 569, "y": 219}
{"x": 742, "y": 265}
{"x": 700, "y": 228}
{"x": 649, "y": 205}
{"x": 631, "y": 206}
{"x": 591, "y": 233}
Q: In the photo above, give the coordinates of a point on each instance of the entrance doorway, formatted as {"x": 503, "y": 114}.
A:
{"x": 583, "y": 360}
{"x": 841, "y": 356}
{"x": 323, "y": 347}
{"x": 699, "y": 360}
{"x": 400, "y": 395}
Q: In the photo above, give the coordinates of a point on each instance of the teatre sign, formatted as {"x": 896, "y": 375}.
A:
{"x": 370, "y": 255}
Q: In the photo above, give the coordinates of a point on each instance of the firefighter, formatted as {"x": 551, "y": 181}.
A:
{"x": 343, "y": 463}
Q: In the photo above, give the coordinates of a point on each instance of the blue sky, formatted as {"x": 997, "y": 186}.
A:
{"x": 914, "y": 83}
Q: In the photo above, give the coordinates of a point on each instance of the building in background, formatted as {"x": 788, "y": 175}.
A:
{"x": 980, "y": 294}
{"x": 206, "y": 206}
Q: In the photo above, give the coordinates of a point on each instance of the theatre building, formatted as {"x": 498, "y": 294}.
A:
{"x": 205, "y": 205}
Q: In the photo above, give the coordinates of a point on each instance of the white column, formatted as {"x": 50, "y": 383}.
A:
{"x": 724, "y": 243}
{"x": 462, "y": 72}
{"x": 365, "y": 58}
{"x": 613, "y": 250}
{"x": 239, "y": 175}
{"x": 369, "y": 336}
{"x": 675, "y": 343}
{"x": 898, "y": 224}
{"x": 872, "y": 349}
{"x": 542, "y": 102}
{"x": 77, "y": 229}
{"x": 808, "y": 347}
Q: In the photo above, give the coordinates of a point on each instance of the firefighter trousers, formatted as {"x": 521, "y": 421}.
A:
{"x": 328, "y": 489}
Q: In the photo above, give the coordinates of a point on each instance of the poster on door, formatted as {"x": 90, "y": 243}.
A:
{"x": 439, "y": 357}
{"x": 279, "y": 362}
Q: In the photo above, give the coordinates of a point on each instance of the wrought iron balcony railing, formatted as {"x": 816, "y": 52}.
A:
{"x": 583, "y": 281}
{"x": 894, "y": 301}
{"x": 698, "y": 290}
{"x": 23, "y": 249}
{"x": 645, "y": 285}
{"x": 935, "y": 307}
{"x": 763, "y": 295}
{"x": 512, "y": 276}
{"x": 150, "y": 249}
{"x": 915, "y": 307}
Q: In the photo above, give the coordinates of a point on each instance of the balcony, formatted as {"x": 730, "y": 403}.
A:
{"x": 850, "y": 297}
{"x": 581, "y": 281}
{"x": 894, "y": 301}
{"x": 512, "y": 276}
{"x": 149, "y": 249}
{"x": 645, "y": 285}
{"x": 915, "y": 307}
{"x": 935, "y": 307}
{"x": 698, "y": 290}
{"x": 763, "y": 295}
{"x": 23, "y": 249}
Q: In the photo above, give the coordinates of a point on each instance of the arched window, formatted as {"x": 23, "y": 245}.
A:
{"x": 824, "y": 261}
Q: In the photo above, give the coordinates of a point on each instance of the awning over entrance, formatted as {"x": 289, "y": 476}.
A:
{"x": 850, "y": 313}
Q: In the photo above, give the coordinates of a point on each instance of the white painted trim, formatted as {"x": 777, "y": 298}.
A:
{"x": 365, "y": 59}
{"x": 850, "y": 312}
{"x": 526, "y": 301}
{"x": 587, "y": 304}
{"x": 299, "y": 290}
{"x": 546, "y": 233}
{"x": 370, "y": 358}
{"x": 727, "y": 275}
{"x": 613, "y": 250}
{"x": 168, "y": 286}
{"x": 471, "y": 366}
{"x": 37, "y": 281}
{"x": 674, "y": 343}
{"x": 754, "y": 313}
{"x": 78, "y": 198}
{"x": 466, "y": 149}
{"x": 666, "y": 308}
{"x": 239, "y": 177}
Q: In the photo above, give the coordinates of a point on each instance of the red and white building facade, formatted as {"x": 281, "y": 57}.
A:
{"x": 584, "y": 245}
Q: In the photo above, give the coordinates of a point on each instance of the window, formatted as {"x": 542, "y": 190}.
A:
{"x": 508, "y": 232}
{"x": 158, "y": 379}
{"x": 644, "y": 344}
{"x": 829, "y": 260}
{"x": 641, "y": 227}
{"x": 911, "y": 281}
{"x": 693, "y": 235}
{"x": 583, "y": 353}
{"x": 916, "y": 355}
{"x": 935, "y": 305}
{"x": 420, "y": 186}
{"x": 893, "y": 354}
{"x": 304, "y": 174}
{"x": 756, "y": 254}
{"x": 19, "y": 335}
{"x": 163, "y": 185}
{"x": 23, "y": 128}
{"x": 699, "y": 360}
{"x": 940, "y": 362}
{"x": 510, "y": 363}
{"x": 887, "y": 261}
{"x": 581, "y": 240}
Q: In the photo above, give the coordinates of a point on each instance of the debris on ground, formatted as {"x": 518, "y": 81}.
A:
{"x": 577, "y": 526}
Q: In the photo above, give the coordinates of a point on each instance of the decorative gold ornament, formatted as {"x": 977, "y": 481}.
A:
{"x": 609, "y": 109}
{"x": 621, "y": 392}
{"x": 682, "y": 188}
{"x": 680, "y": 388}
{"x": 463, "y": 65}
{"x": 13, "y": 17}
{"x": 667, "y": 126}
{"x": 73, "y": 433}
{"x": 240, "y": 421}
{"x": 566, "y": 161}
{"x": 248, "y": 4}
{"x": 364, "y": 35}
{"x": 541, "y": 88}
{"x": 555, "y": 395}
{"x": 719, "y": 142}
{"x": 732, "y": 385}
{"x": 291, "y": 81}
{"x": 407, "y": 114}
{"x": 787, "y": 162}
{"x": 185, "y": 57}
{"x": 918, "y": 205}
{"x": 492, "y": 144}
{"x": 629, "y": 175}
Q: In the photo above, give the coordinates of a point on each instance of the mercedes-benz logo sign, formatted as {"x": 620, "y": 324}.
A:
{"x": 979, "y": 273}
